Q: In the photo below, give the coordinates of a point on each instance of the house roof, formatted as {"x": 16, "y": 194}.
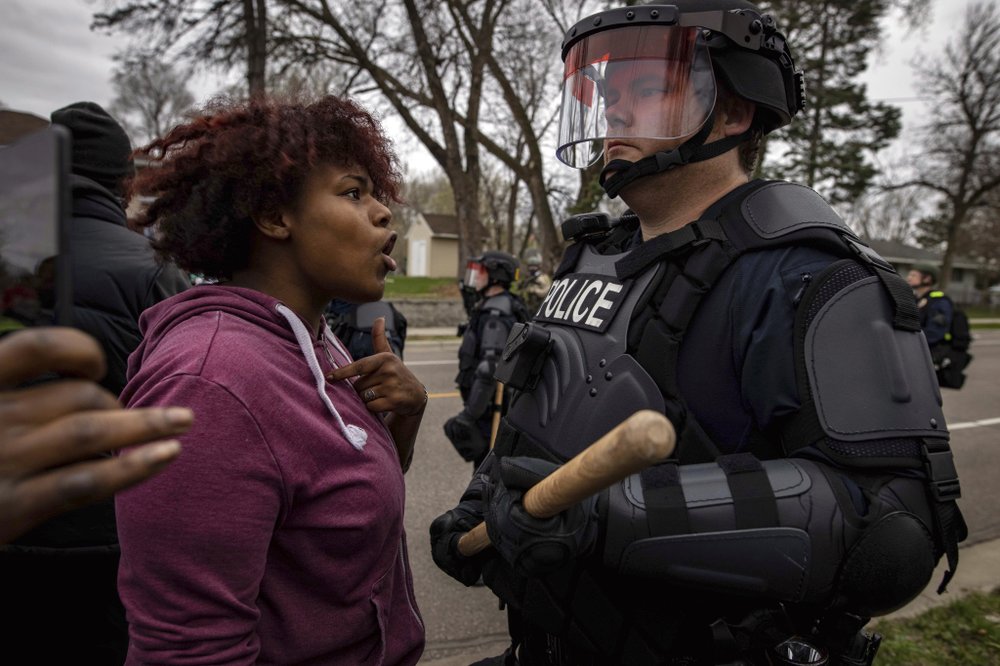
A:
{"x": 15, "y": 124}
{"x": 900, "y": 253}
{"x": 442, "y": 224}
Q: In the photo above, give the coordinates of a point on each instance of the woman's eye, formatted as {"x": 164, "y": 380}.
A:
{"x": 354, "y": 194}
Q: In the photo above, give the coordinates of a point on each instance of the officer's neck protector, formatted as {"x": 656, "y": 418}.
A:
{"x": 646, "y": 73}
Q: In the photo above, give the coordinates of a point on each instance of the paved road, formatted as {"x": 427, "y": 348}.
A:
{"x": 463, "y": 624}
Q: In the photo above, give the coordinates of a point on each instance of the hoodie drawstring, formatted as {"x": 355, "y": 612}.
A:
{"x": 356, "y": 435}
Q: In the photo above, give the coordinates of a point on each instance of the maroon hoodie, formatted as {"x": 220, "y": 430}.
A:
{"x": 277, "y": 535}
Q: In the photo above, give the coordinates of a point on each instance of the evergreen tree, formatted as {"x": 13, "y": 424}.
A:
{"x": 829, "y": 146}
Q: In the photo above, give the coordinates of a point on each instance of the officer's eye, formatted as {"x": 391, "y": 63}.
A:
{"x": 654, "y": 91}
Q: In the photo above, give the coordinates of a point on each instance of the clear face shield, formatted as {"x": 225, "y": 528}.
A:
{"x": 650, "y": 82}
{"x": 477, "y": 277}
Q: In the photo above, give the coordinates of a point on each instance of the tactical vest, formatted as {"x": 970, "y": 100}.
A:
{"x": 605, "y": 341}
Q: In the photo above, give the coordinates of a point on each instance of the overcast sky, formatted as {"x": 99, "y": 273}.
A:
{"x": 50, "y": 58}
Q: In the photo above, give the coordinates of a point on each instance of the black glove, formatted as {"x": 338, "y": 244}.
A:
{"x": 449, "y": 527}
{"x": 535, "y": 546}
{"x": 464, "y": 435}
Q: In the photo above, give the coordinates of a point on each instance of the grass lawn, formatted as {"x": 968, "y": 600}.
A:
{"x": 982, "y": 311}
{"x": 401, "y": 286}
{"x": 963, "y": 633}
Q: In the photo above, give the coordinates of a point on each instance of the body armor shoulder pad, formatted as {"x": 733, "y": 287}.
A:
{"x": 899, "y": 397}
{"x": 499, "y": 304}
{"x": 780, "y": 208}
{"x": 781, "y": 213}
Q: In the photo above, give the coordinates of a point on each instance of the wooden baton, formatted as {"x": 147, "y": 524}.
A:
{"x": 639, "y": 441}
{"x": 497, "y": 408}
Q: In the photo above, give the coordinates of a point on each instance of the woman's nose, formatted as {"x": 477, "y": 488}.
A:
{"x": 381, "y": 215}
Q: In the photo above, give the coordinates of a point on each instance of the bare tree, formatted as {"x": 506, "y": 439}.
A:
{"x": 150, "y": 96}
{"x": 414, "y": 59}
{"x": 221, "y": 34}
{"x": 981, "y": 234}
{"x": 429, "y": 193}
{"x": 435, "y": 65}
{"x": 880, "y": 215}
{"x": 960, "y": 156}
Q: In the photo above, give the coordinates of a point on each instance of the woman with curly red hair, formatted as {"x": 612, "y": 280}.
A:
{"x": 277, "y": 537}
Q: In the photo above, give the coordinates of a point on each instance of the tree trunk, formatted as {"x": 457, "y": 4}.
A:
{"x": 470, "y": 230}
{"x": 552, "y": 246}
{"x": 512, "y": 215}
{"x": 255, "y": 22}
{"x": 817, "y": 116}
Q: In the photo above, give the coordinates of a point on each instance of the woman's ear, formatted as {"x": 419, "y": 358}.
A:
{"x": 738, "y": 115}
{"x": 273, "y": 225}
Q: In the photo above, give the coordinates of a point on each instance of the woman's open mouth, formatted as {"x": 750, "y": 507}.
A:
{"x": 387, "y": 250}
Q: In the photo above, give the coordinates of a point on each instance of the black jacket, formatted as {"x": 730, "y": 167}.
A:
{"x": 115, "y": 276}
{"x": 61, "y": 576}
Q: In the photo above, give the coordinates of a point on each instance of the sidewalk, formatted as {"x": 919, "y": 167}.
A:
{"x": 432, "y": 332}
{"x": 978, "y": 571}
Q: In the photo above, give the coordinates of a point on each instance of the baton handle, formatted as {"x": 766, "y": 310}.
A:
{"x": 641, "y": 440}
{"x": 497, "y": 408}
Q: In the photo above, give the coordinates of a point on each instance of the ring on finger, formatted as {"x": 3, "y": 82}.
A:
{"x": 369, "y": 395}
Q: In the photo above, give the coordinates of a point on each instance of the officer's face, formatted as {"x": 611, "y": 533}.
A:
{"x": 645, "y": 94}
{"x": 915, "y": 279}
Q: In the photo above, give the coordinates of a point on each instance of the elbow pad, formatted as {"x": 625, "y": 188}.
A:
{"x": 494, "y": 336}
{"x": 482, "y": 392}
{"x": 792, "y": 533}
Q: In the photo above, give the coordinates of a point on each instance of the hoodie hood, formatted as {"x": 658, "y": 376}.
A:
{"x": 255, "y": 308}
{"x": 91, "y": 199}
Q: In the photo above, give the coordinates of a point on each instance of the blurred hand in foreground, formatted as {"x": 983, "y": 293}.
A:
{"x": 53, "y": 433}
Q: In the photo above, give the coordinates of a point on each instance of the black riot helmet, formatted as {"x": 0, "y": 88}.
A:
{"x": 651, "y": 71}
{"x": 492, "y": 267}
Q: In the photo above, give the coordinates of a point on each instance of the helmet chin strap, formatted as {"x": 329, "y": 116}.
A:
{"x": 693, "y": 150}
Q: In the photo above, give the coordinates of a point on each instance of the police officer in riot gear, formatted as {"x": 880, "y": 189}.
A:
{"x": 494, "y": 310}
{"x": 813, "y": 485}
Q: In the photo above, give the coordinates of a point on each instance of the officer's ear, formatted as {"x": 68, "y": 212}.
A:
{"x": 737, "y": 114}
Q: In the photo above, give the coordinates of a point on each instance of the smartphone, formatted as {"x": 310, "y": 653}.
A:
{"x": 35, "y": 269}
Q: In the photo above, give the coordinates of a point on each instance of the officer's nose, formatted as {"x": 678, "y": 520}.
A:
{"x": 618, "y": 113}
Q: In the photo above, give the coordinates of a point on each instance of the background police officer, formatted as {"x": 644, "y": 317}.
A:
{"x": 813, "y": 485}
{"x": 535, "y": 284}
{"x": 945, "y": 327}
{"x": 494, "y": 310}
{"x": 935, "y": 308}
{"x": 353, "y": 322}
